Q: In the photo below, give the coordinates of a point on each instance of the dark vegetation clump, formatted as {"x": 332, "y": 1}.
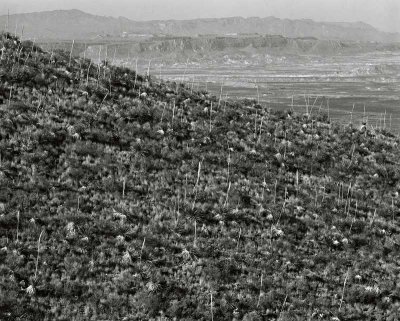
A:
{"x": 128, "y": 198}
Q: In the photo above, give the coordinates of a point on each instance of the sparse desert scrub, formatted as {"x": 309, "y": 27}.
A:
{"x": 141, "y": 220}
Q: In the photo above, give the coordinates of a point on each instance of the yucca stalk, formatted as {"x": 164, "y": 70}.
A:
{"x": 211, "y": 306}
{"x": 9, "y": 98}
{"x": 195, "y": 233}
{"x": 18, "y": 214}
{"x": 238, "y": 240}
{"x": 229, "y": 163}
{"x": 141, "y": 250}
{"x": 198, "y": 174}
{"x": 344, "y": 287}
{"x": 255, "y": 124}
{"x": 123, "y": 187}
{"x": 210, "y": 116}
{"x": 173, "y": 112}
{"x": 88, "y": 70}
{"x": 220, "y": 95}
{"x": 283, "y": 306}
{"x": 259, "y": 296}
{"x": 37, "y": 256}
{"x": 70, "y": 54}
{"x": 258, "y": 94}
{"x": 260, "y": 131}
{"x": 227, "y": 195}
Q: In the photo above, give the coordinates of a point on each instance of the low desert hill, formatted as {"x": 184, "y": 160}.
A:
{"x": 123, "y": 197}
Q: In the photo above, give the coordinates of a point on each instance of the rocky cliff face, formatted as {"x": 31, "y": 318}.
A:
{"x": 271, "y": 25}
{"x": 212, "y": 43}
{"x": 272, "y": 44}
{"x": 208, "y": 48}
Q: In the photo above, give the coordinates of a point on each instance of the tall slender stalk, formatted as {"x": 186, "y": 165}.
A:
{"x": 88, "y": 70}
{"x": 384, "y": 120}
{"x": 283, "y": 305}
{"x": 123, "y": 187}
{"x": 344, "y": 286}
{"x": 227, "y": 194}
{"x": 258, "y": 94}
{"x": 141, "y": 249}
{"x": 255, "y": 125}
{"x": 17, "y": 225}
{"x": 9, "y": 98}
{"x": 305, "y": 99}
{"x": 195, "y": 233}
{"x": 292, "y": 102}
{"x": 329, "y": 116}
{"x": 351, "y": 115}
{"x": 198, "y": 175}
{"x": 238, "y": 240}
{"x": 211, "y": 307}
{"x": 136, "y": 73}
{"x": 70, "y": 54}
{"x": 220, "y": 95}
{"x": 229, "y": 163}
{"x": 173, "y": 112}
{"x": 148, "y": 69}
{"x": 99, "y": 67}
{"x": 259, "y": 134}
{"x": 37, "y": 256}
{"x": 211, "y": 109}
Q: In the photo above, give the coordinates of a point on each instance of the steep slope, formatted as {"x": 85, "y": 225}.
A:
{"x": 75, "y": 24}
{"x": 126, "y": 198}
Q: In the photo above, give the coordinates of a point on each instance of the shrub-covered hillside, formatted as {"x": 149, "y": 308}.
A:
{"x": 127, "y": 198}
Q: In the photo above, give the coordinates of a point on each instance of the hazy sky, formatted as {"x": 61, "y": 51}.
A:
{"x": 383, "y": 14}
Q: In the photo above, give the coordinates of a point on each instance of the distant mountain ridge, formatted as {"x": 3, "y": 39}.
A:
{"x": 76, "y": 24}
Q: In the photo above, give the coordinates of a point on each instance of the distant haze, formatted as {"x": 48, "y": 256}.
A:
{"x": 383, "y": 14}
